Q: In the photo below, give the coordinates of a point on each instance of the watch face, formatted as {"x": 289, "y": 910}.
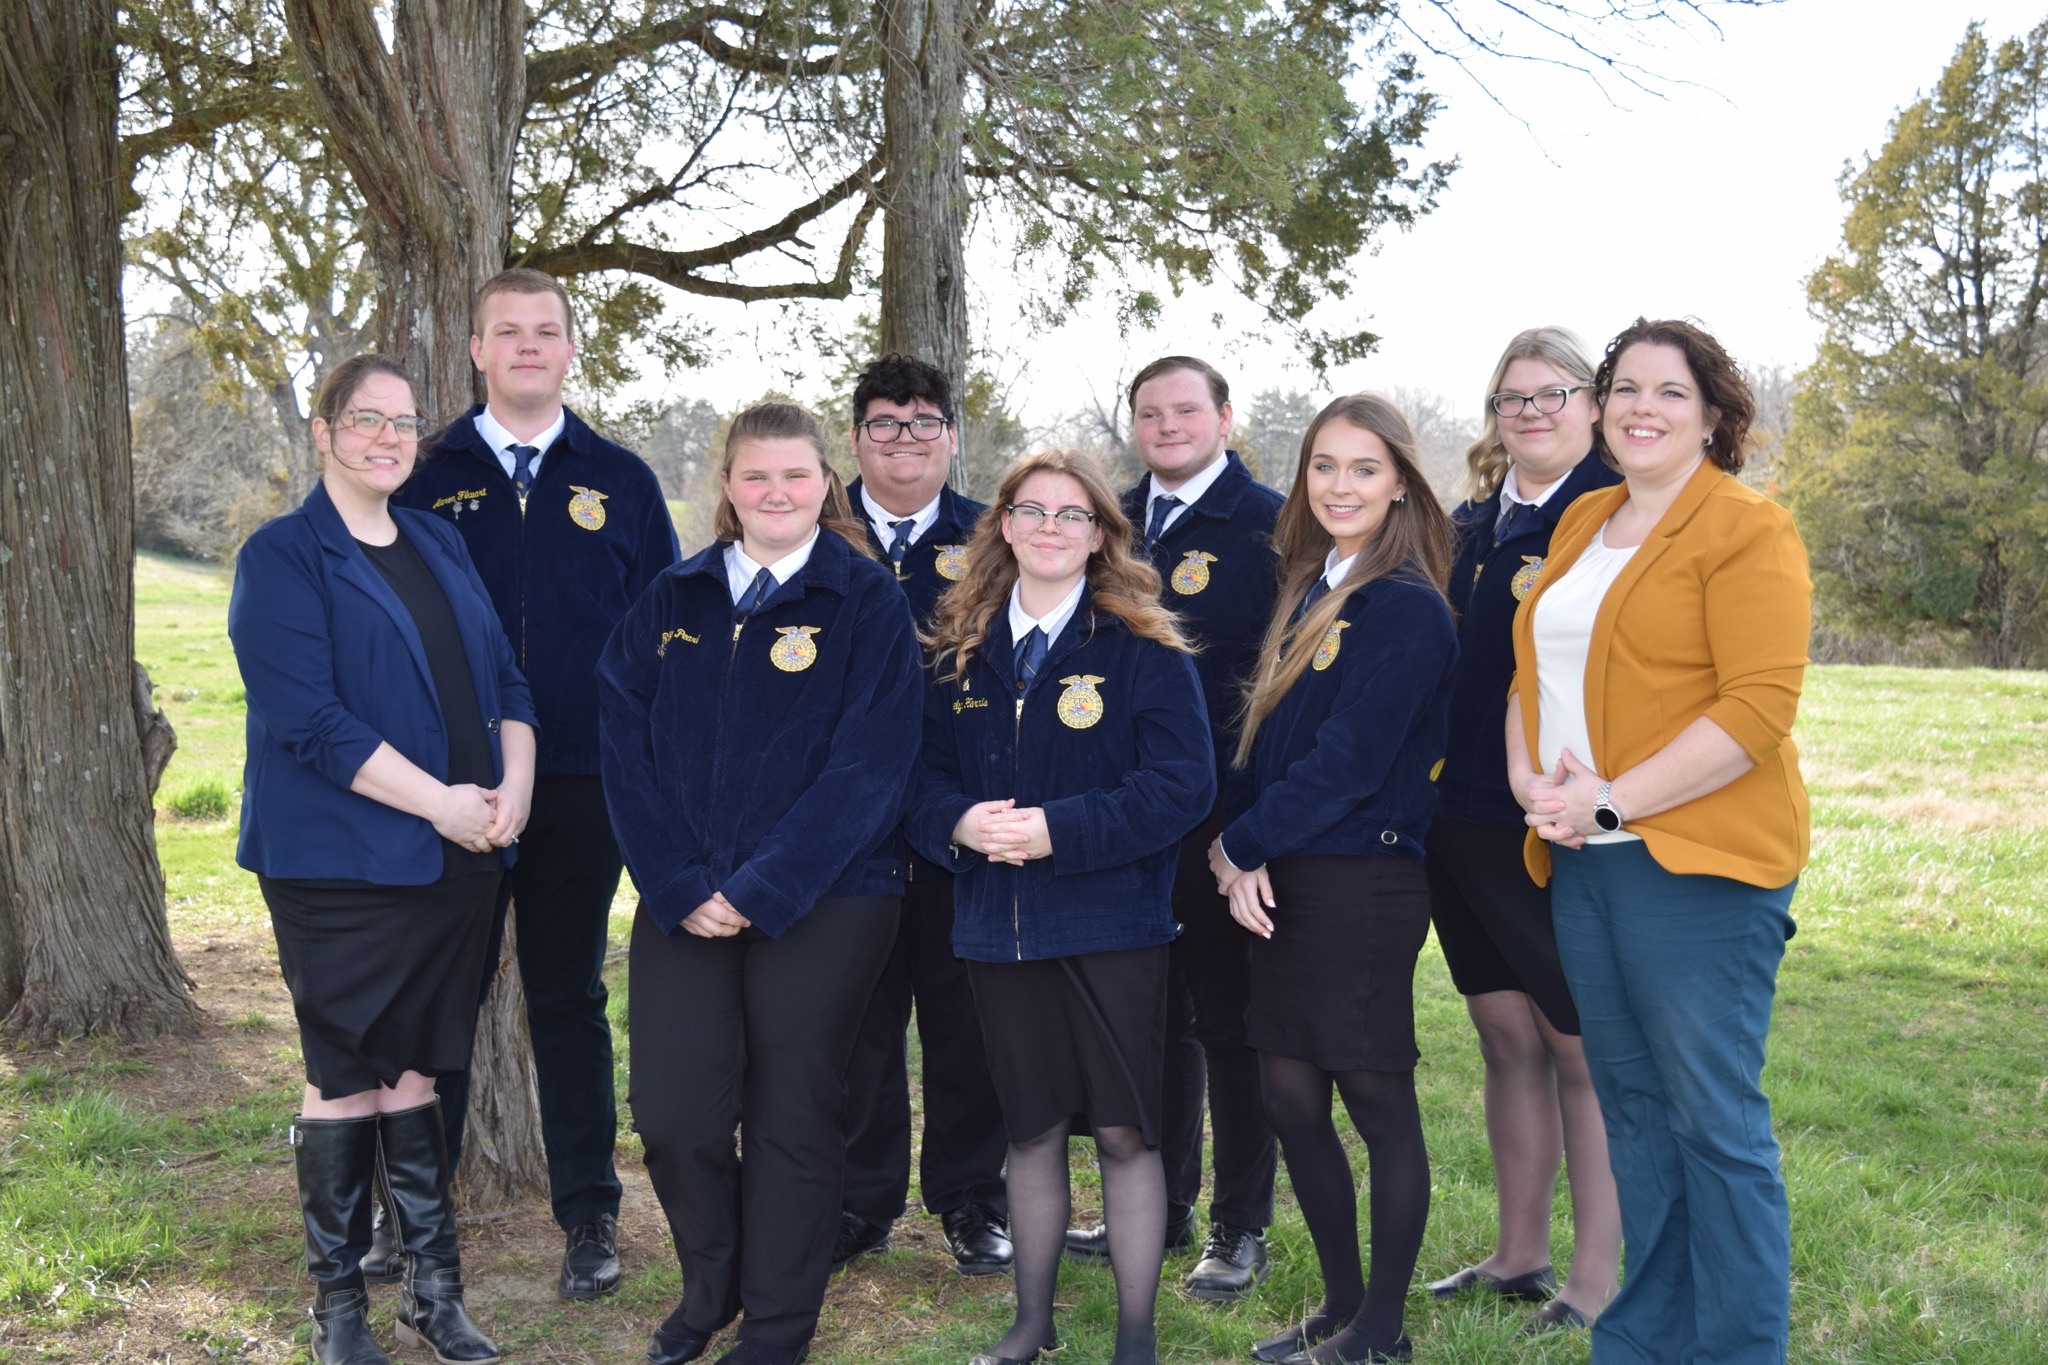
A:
{"x": 1606, "y": 818}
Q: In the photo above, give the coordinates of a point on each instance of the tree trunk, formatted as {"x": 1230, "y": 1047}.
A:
{"x": 84, "y": 946}
{"x": 428, "y": 131}
{"x": 428, "y": 128}
{"x": 924, "y": 197}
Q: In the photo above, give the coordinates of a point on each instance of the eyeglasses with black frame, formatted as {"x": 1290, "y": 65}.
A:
{"x": 1546, "y": 401}
{"x": 368, "y": 422}
{"x": 1029, "y": 516}
{"x": 920, "y": 428}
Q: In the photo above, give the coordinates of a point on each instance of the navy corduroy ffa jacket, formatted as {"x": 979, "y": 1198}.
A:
{"x": 1112, "y": 743}
{"x": 1221, "y": 575}
{"x": 765, "y": 759}
{"x": 333, "y": 666}
{"x": 1489, "y": 579}
{"x": 594, "y": 533}
{"x": 930, "y": 566}
{"x": 1343, "y": 763}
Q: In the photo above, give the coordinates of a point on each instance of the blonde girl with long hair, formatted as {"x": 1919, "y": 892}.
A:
{"x": 1066, "y": 754}
{"x": 1343, "y": 728}
{"x": 758, "y": 708}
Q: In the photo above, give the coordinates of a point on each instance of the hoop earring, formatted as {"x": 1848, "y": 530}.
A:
{"x": 1709, "y": 442}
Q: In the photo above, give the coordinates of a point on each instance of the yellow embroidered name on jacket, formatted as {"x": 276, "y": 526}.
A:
{"x": 678, "y": 633}
{"x": 969, "y": 704}
{"x": 463, "y": 495}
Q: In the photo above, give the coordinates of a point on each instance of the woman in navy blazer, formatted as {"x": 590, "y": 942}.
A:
{"x": 1343, "y": 733}
{"x": 758, "y": 713}
{"x": 1067, "y": 753}
{"x": 390, "y": 758}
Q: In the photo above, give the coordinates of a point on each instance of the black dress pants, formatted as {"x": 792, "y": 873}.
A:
{"x": 750, "y": 1035}
{"x": 1208, "y": 987}
{"x": 964, "y": 1146}
{"x": 563, "y": 883}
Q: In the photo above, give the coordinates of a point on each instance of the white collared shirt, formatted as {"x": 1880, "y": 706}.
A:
{"x": 1511, "y": 490}
{"x": 1053, "y": 622}
{"x": 880, "y": 518}
{"x": 501, "y": 440}
{"x": 741, "y": 570}
{"x": 1189, "y": 493}
{"x": 1334, "y": 568}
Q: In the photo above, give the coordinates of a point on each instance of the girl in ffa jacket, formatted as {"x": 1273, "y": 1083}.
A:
{"x": 758, "y": 712}
{"x": 1344, "y": 728}
{"x": 1066, "y": 754}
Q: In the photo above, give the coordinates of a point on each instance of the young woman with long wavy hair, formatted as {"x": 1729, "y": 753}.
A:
{"x": 1344, "y": 727}
{"x": 1066, "y": 754}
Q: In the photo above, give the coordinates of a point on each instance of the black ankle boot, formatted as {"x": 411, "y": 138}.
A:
{"x": 413, "y": 1157}
{"x": 336, "y": 1159}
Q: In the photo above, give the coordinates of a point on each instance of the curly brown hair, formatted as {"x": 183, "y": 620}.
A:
{"x": 1120, "y": 583}
{"x": 1723, "y": 390}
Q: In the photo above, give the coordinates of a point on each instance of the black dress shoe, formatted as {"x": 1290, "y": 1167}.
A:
{"x": 1052, "y": 1343}
{"x": 753, "y": 1351}
{"x": 1090, "y": 1246}
{"x": 1233, "y": 1264}
{"x": 1402, "y": 1351}
{"x": 590, "y": 1259}
{"x": 977, "y": 1239}
{"x": 857, "y": 1237}
{"x": 1535, "y": 1287}
{"x": 675, "y": 1342}
{"x": 1555, "y": 1316}
{"x": 1310, "y": 1331}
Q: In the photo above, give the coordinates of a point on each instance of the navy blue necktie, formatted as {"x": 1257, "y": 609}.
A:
{"x": 522, "y": 467}
{"x": 901, "y": 544}
{"x": 1513, "y": 517}
{"x": 1030, "y": 658}
{"x": 764, "y": 584}
{"x": 1316, "y": 592}
{"x": 1162, "y": 508}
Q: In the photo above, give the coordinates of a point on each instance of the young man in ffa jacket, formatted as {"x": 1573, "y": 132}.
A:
{"x": 566, "y": 529}
{"x": 1207, "y": 525}
{"x": 904, "y": 435}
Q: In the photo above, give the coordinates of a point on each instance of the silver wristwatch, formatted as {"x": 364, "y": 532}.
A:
{"x": 1604, "y": 813}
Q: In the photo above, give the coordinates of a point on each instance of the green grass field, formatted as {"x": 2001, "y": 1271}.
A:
{"x": 1906, "y": 1070}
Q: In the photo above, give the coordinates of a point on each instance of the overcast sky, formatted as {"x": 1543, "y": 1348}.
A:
{"x": 1715, "y": 202}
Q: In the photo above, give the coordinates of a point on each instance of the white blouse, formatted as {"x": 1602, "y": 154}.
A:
{"x": 1564, "y": 636}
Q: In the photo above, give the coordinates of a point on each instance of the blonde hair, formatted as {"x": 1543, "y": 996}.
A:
{"x": 787, "y": 421}
{"x": 1486, "y": 463}
{"x": 1120, "y": 583}
{"x": 1413, "y": 542}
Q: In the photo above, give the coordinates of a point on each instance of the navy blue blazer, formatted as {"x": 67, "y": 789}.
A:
{"x": 1489, "y": 579}
{"x": 333, "y": 666}
{"x": 594, "y": 533}
{"x": 1221, "y": 575}
{"x": 766, "y": 759}
{"x": 1111, "y": 742}
{"x": 1344, "y": 762}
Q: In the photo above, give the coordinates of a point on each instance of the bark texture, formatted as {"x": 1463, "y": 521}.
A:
{"x": 502, "y": 1155}
{"x": 427, "y": 127}
{"x": 84, "y": 946}
{"x": 924, "y": 195}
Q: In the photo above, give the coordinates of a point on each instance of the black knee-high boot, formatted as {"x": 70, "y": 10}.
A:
{"x": 413, "y": 1155}
{"x": 336, "y": 1159}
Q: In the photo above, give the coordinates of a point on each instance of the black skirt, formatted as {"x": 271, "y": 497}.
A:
{"x": 1335, "y": 985}
{"x": 1492, "y": 921}
{"x": 384, "y": 979}
{"x": 1075, "y": 1036}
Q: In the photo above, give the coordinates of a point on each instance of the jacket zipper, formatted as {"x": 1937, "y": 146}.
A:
{"x": 1016, "y": 778}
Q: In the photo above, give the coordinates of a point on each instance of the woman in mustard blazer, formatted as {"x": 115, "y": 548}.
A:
{"x": 1658, "y": 665}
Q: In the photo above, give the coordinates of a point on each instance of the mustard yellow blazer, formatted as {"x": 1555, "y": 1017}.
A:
{"x": 1710, "y": 617}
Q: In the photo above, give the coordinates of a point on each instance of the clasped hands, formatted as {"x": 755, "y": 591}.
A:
{"x": 1559, "y": 804}
{"x": 481, "y": 818}
{"x": 1250, "y": 892}
{"x": 1003, "y": 832}
{"x": 716, "y": 918}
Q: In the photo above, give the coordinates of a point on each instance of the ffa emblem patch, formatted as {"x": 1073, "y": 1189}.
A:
{"x": 1326, "y": 652}
{"x": 586, "y": 509}
{"x": 794, "y": 650}
{"x": 1526, "y": 576}
{"x": 1191, "y": 575}
{"x": 952, "y": 562}
{"x": 1080, "y": 705}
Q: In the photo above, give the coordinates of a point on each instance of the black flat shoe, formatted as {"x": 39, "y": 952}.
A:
{"x": 1052, "y": 1343}
{"x": 1535, "y": 1287}
{"x": 1555, "y": 1316}
{"x": 1315, "y": 1328}
{"x": 1402, "y": 1351}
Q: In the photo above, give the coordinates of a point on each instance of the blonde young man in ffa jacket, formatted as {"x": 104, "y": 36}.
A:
{"x": 1207, "y": 525}
{"x": 566, "y": 529}
{"x": 905, "y": 435}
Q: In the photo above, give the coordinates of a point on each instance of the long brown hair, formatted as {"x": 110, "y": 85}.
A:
{"x": 1120, "y": 583}
{"x": 1413, "y": 542}
{"x": 787, "y": 421}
